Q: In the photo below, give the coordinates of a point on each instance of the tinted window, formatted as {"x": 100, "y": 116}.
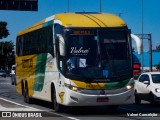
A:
{"x": 141, "y": 79}
{"x": 156, "y": 78}
{"x": 113, "y": 41}
{"x": 146, "y": 78}
{"x": 36, "y": 42}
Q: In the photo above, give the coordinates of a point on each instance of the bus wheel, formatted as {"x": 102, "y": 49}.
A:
{"x": 112, "y": 108}
{"x": 27, "y": 99}
{"x": 57, "y": 106}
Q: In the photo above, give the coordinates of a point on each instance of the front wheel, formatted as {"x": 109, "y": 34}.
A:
{"x": 152, "y": 101}
{"x": 56, "y": 105}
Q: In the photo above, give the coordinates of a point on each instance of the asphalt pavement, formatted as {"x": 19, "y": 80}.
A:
{"x": 12, "y": 106}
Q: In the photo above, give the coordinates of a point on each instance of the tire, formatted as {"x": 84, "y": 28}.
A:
{"x": 112, "y": 109}
{"x": 137, "y": 99}
{"x": 57, "y": 107}
{"x": 152, "y": 101}
{"x": 27, "y": 99}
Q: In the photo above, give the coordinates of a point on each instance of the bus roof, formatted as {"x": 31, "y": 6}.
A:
{"x": 90, "y": 20}
{"x": 85, "y": 20}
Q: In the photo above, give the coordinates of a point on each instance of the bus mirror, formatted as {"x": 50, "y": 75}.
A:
{"x": 138, "y": 43}
{"x": 61, "y": 45}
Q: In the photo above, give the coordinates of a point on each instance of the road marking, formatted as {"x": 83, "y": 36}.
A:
{"x": 34, "y": 109}
{"x": 21, "y": 105}
{"x": 73, "y": 118}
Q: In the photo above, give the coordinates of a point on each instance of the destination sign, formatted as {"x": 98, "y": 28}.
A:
{"x": 82, "y": 32}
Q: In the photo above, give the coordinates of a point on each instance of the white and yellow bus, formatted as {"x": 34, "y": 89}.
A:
{"x": 76, "y": 59}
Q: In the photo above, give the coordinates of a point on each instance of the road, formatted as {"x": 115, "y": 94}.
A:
{"x": 13, "y": 104}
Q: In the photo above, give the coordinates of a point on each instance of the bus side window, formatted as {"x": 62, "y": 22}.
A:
{"x": 36, "y": 42}
{"x": 49, "y": 37}
{"x": 20, "y": 46}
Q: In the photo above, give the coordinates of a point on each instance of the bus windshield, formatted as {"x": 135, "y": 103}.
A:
{"x": 97, "y": 54}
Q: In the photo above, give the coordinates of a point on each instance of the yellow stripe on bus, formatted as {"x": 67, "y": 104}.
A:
{"x": 85, "y": 85}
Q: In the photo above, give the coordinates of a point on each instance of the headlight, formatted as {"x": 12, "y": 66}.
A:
{"x": 73, "y": 88}
{"x": 157, "y": 90}
{"x": 128, "y": 87}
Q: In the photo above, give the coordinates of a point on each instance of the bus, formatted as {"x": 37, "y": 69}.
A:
{"x": 76, "y": 59}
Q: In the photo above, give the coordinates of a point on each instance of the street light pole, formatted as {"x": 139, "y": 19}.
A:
{"x": 100, "y": 6}
{"x": 150, "y": 52}
{"x": 142, "y": 35}
{"x": 68, "y": 5}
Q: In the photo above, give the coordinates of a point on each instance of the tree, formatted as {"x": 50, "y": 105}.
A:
{"x": 7, "y": 56}
{"x": 158, "y": 48}
{"x": 3, "y": 30}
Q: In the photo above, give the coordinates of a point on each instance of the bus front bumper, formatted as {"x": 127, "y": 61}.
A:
{"x": 73, "y": 98}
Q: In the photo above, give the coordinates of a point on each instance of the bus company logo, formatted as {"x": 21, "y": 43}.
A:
{"x": 21, "y": 114}
{"x": 80, "y": 51}
{"x": 6, "y": 114}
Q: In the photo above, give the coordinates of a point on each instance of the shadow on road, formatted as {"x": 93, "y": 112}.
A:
{"x": 102, "y": 110}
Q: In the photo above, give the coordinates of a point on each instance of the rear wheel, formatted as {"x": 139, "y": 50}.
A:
{"x": 137, "y": 99}
{"x": 27, "y": 99}
{"x": 56, "y": 106}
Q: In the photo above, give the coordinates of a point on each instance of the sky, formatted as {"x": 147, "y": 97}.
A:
{"x": 131, "y": 13}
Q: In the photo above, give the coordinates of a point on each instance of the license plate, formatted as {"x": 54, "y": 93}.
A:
{"x": 102, "y": 99}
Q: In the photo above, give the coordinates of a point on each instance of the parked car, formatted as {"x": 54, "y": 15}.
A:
{"x": 3, "y": 73}
{"x": 147, "y": 87}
